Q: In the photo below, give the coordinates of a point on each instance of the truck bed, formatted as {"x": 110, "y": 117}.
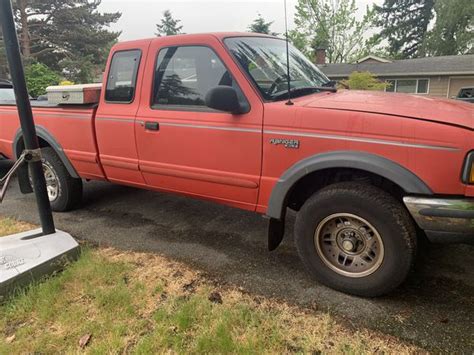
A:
{"x": 72, "y": 125}
{"x": 47, "y": 104}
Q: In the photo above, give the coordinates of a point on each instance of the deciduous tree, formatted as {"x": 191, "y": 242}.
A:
{"x": 331, "y": 24}
{"x": 38, "y": 77}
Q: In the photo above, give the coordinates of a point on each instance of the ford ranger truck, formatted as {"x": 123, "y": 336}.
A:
{"x": 210, "y": 116}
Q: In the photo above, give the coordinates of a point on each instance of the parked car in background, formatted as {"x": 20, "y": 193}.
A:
{"x": 6, "y": 91}
{"x": 465, "y": 94}
{"x": 209, "y": 116}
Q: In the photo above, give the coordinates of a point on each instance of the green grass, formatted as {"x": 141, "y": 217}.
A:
{"x": 101, "y": 297}
{"x": 137, "y": 303}
{"x": 10, "y": 226}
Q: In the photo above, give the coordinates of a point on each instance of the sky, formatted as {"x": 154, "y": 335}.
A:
{"x": 139, "y": 17}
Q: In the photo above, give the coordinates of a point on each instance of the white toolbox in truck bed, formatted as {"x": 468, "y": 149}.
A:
{"x": 74, "y": 94}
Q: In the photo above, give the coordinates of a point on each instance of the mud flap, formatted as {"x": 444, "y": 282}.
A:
{"x": 276, "y": 231}
{"x": 23, "y": 180}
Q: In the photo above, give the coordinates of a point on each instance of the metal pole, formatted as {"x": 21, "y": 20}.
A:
{"x": 26, "y": 115}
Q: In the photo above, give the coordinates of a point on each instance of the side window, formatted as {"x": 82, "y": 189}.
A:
{"x": 184, "y": 75}
{"x": 122, "y": 77}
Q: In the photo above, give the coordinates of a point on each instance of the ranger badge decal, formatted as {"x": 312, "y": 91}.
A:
{"x": 288, "y": 143}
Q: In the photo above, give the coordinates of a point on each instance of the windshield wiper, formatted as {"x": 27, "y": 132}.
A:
{"x": 330, "y": 84}
{"x": 284, "y": 94}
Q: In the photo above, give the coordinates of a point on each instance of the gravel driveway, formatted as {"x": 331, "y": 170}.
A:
{"x": 434, "y": 309}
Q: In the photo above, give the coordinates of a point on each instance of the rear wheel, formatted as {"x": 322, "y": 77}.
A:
{"x": 64, "y": 191}
{"x": 356, "y": 238}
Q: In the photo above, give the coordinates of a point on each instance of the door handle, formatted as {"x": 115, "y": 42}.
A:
{"x": 152, "y": 126}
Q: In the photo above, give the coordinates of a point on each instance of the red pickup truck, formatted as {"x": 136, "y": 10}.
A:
{"x": 208, "y": 116}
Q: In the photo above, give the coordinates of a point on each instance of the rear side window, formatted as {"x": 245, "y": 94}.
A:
{"x": 184, "y": 75}
{"x": 122, "y": 78}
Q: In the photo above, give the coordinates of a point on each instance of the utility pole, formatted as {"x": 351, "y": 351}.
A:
{"x": 32, "y": 154}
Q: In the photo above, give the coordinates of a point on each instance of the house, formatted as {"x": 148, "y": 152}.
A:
{"x": 435, "y": 76}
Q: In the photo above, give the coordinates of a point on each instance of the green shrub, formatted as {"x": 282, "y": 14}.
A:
{"x": 39, "y": 77}
{"x": 364, "y": 81}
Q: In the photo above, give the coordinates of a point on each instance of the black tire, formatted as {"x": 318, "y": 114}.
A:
{"x": 69, "y": 194}
{"x": 390, "y": 220}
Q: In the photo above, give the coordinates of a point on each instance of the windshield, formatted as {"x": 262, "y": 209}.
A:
{"x": 7, "y": 94}
{"x": 264, "y": 59}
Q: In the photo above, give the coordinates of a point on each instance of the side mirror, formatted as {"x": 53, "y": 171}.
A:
{"x": 224, "y": 98}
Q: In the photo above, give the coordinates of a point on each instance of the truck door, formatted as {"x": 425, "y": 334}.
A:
{"x": 186, "y": 147}
{"x": 115, "y": 118}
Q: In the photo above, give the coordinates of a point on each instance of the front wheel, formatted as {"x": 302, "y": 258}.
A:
{"x": 356, "y": 238}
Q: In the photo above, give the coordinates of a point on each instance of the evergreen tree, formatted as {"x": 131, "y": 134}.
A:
{"x": 453, "y": 31}
{"x": 62, "y": 33}
{"x": 3, "y": 59}
{"x": 259, "y": 25}
{"x": 169, "y": 26}
{"x": 404, "y": 25}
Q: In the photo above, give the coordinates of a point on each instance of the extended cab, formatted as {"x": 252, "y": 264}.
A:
{"x": 210, "y": 116}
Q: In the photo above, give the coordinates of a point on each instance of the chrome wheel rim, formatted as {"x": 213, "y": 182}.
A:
{"x": 52, "y": 182}
{"x": 349, "y": 245}
{"x": 53, "y": 186}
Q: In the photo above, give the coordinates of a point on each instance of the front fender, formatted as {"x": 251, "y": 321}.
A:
{"x": 372, "y": 163}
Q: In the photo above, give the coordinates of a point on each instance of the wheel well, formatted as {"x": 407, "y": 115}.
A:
{"x": 309, "y": 184}
{"x": 47, "y": 142}
{"x": 23, "y": 179}
{"x": 21, "y": 145}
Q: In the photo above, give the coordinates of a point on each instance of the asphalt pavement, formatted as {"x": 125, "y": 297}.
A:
{"x": 434, "y": 309}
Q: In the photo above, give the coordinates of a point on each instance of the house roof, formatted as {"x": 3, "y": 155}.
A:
{"x": 373, "y": 58}
{"x": 443, "y": 65}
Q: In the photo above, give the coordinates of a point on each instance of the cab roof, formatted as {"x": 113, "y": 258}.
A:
{"x": 198, "y": 37}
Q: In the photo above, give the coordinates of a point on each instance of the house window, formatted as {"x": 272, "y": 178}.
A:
{"x": 422, "y": 87}
{"x": 406, "y": 86}
{"x": 409, "y": 86}
{"x": 391, "y": 86}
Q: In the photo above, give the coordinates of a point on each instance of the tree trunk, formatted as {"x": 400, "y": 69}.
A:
{"x": 24, "y": 32}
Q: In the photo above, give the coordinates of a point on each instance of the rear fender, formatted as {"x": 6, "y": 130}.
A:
{"x": 18, "y": 147}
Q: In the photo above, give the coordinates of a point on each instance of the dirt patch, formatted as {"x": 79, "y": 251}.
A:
{"x": 12, "y": 226}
